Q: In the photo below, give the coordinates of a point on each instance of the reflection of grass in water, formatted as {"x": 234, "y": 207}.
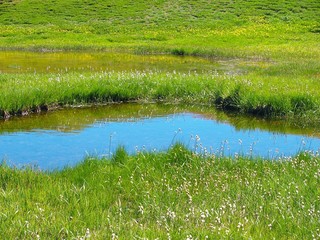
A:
{"x": 63, "y": 62}
{"x": 71, "y": 119}
{"x": 74, "y": 119}
{"x": 175, "y": 193}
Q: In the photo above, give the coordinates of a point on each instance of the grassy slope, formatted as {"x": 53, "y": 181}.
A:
{"x": 166, "y": 195}
{"x": 211, "y": 27}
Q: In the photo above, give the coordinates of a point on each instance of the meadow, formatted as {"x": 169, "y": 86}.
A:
{"x": 166, "y": 195}
{"x": 285, "y": 34}
{"x": 175, "y": 194}
{"x": 216, "y": 28}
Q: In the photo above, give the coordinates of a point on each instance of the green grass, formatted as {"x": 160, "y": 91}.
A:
{"x": 216, "y": 28}
{"x": 285, "y": 33}
{"x": 169, "y": 195}
{"x": 256, "y": 93}
{"x": 177, "y": 194}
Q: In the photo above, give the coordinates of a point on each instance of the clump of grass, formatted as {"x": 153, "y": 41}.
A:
{"x": 179, "y": 154}
{"x": 199, "y": 196}
{"x": 120, "y": 156}
{"x": 179, "y": 52}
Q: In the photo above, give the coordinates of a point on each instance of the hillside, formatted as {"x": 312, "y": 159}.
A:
{"x": 159, "y": 13}
{"x": 156, "y": 25}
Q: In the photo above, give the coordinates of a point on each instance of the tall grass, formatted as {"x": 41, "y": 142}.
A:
{"x": 170, "y": 195}
{"x": 251, "y": 93}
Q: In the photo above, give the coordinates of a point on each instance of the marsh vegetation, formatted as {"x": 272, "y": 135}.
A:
{"x": 271, "y": 57}
{"x": 169, "y": 195}
{"x": 253, "y": 87}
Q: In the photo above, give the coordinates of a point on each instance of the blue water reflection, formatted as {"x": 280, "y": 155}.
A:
{"x": 50, "y": 149}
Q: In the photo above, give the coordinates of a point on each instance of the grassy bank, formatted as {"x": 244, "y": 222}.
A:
{"x": 170, "y": 195}
{"x": 255, "y": 93}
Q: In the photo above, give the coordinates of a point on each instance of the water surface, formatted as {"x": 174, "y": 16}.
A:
{"x": 57, "y": 139}
{"x": 61, "y": 62}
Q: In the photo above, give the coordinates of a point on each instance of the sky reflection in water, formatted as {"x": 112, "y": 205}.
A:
{"x": 50, "y": 149}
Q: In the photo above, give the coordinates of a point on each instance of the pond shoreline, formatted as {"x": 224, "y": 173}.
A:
{"x": 65, "y": 136}
{"x": 222, "y": 104}
{"x": 258, "y": 88}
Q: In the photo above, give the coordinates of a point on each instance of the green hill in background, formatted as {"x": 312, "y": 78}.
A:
{"x": 152, "y": 14}
{"x": 196, "y": 27}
